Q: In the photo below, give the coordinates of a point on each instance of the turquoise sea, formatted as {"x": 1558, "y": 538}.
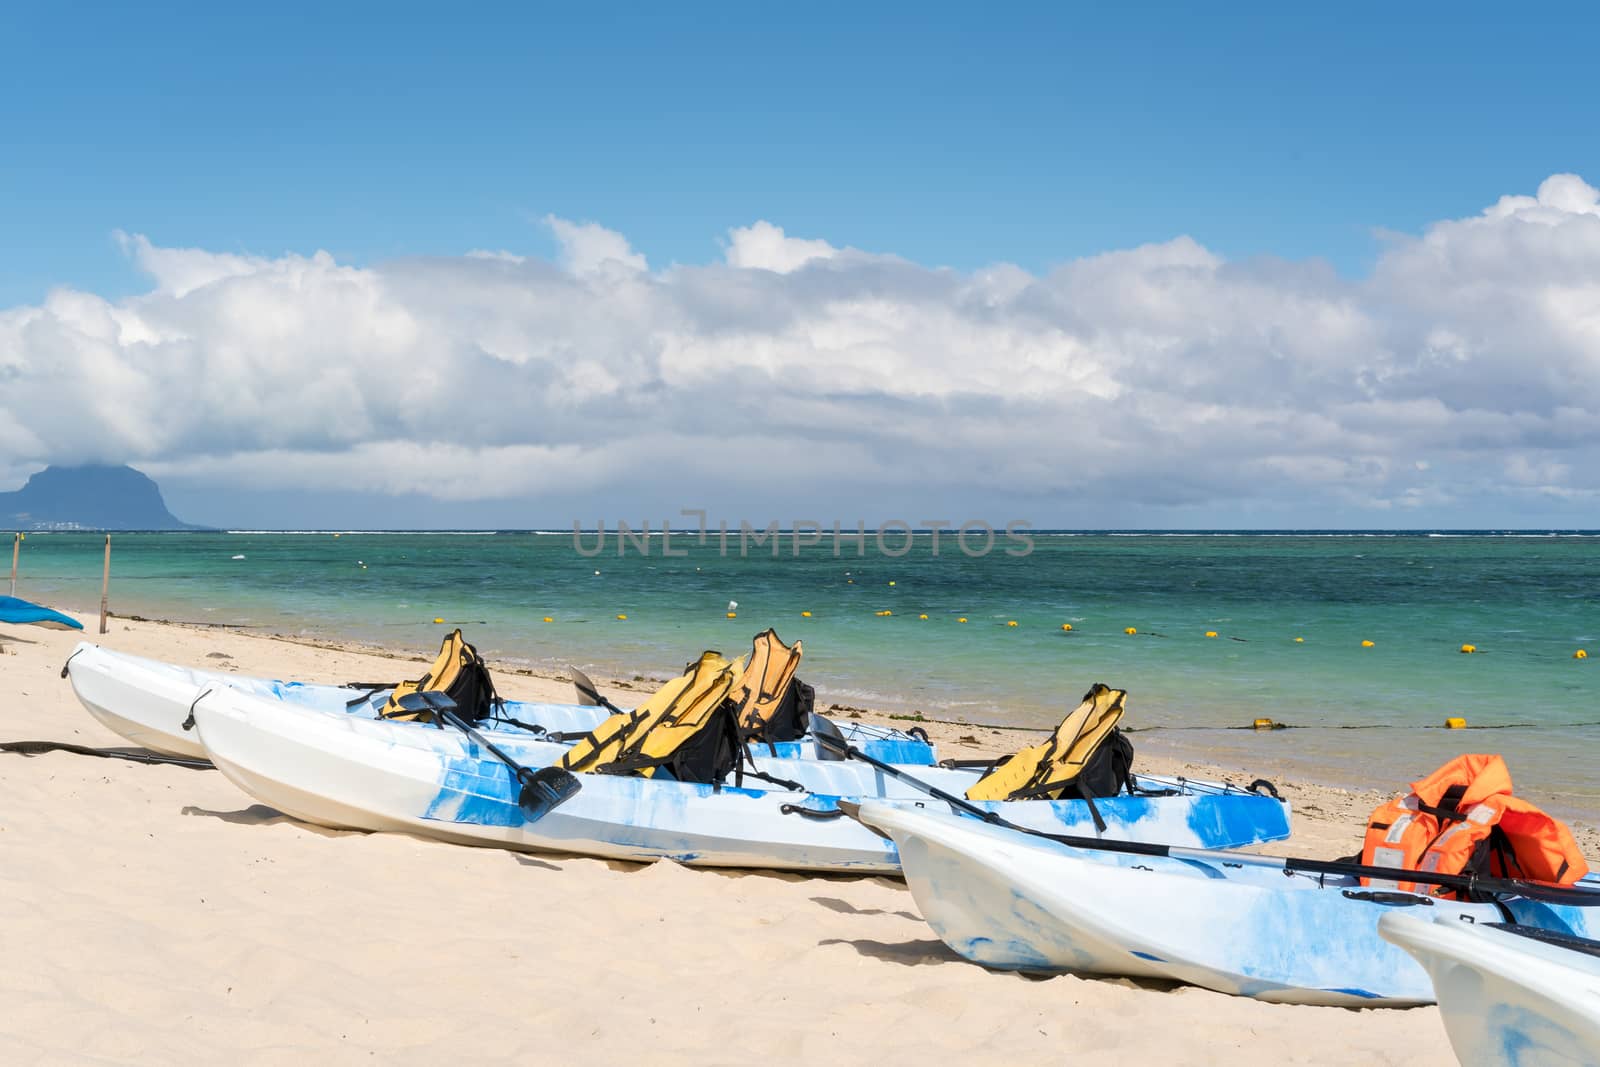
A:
{"x": 1360, "y": 715}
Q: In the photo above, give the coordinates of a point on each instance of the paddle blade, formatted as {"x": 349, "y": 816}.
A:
{"x": 588, "y": 695}
{"x": 545, "y": 790}
{"x": 831, "y": 744}
{"x": 426, "y": 700}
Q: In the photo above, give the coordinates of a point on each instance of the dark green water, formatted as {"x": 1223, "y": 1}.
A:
{"x": 1526, "y": 602}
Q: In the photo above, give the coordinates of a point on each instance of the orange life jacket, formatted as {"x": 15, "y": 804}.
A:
{"x": 1458, "y": 813}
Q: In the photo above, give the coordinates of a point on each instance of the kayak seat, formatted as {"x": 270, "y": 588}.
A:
{"x": 1053, "y": 768}
{"x": 769, "y": 702}
{"x": 460, "y": 673}
{"x": 687, "y": 726}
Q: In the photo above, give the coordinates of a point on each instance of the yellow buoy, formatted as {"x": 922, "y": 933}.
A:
{"x": 1366, "y": 644}
{"x": 849, "y": 581}
{"x": 1011, "y": 622}
{"x": 1580, "y": 654}
{"x": 962, "y": 619}
{"x": 733, "y": 614}
{"x": 548, "y": 619}
{"x": 1066, "y": 626}
{"x": 881, "y": 614}
{"x": 624, "y": 618}
{"x": 891, "y": 583}
{"x": 805, "y": 614}
{"x": 1469, "y": 649}
{"x": 1455, "y": 722}
{"x": 438, "y": 620}
{"x": 923, "y": 617}
{"x": 1299, "y": 640}
{"x": 1211, "y": 633}
{"x": 1130, "y": 630}
{"x": 1264, "y": 724}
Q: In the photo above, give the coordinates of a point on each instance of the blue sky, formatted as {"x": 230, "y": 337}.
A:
{"x": 1161, "y": 265}
{"x": 951, "y": 135}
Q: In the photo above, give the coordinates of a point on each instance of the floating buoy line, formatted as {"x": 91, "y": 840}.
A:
{"x": 1467, "y": 648}
{"x": 1452, "y": 723}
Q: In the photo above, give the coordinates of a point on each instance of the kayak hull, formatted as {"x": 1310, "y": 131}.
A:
{"x": 351, "y": 772}
{"x": 1506, "y": 1000}
{"x": 1238, "y": 926}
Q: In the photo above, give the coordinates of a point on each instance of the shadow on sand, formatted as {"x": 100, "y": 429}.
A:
{"x": 905, "y": 953}
{"x": 844, "y": 907}
{"x": 261, "y": 815}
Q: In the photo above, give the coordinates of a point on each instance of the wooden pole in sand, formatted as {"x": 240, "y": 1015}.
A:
{"x": 16, "y": 547}
{"x": 105, "y": 585}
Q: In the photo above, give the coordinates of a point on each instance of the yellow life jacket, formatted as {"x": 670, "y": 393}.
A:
{"x": 458, "y": 671}
{"x": 760, "y": 690}
{"x": 1049, "y": 769}
{"x": 689, "y": 712}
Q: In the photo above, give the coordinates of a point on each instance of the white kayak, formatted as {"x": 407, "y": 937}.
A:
{"x": 1509, "y": 998}
{"x": 1234, "y": 923}
{"x": 352, "y": 772}
{"x": 147, "y": 701}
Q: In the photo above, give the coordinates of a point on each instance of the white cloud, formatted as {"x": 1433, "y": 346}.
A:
{"x": 763, "y": 246}
{"x": 588, "y": 248}
{"x": 1155, "y": 376}
{"x": 180, "y": 271}
{"x": 498, "y": 255}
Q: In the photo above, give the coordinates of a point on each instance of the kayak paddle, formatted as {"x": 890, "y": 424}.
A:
{"x": 588, "y": 694}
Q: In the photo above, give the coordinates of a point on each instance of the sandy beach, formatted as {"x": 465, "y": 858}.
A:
{"x": 158, "y": 915}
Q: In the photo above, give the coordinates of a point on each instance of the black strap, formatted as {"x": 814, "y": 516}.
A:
{"x": 1047, "y": 790}
{"x": 188, "y": 723}
{"x": 775, "y": 780}
{"x": 70, "y": 658}
{"x": 1449, "y": 808}
{"x": 1088, "y": 798}
{"x": 135, "y": 755}
{"x": 532, "y": 727}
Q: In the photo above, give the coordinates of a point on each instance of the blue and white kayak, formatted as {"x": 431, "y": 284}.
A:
{"x": 27, "y": 613}
{"x": 1510, "y": 996}
{"x": 1235, "y": 923}
{"x": 351, "y": 772}
{"x": 147, "y": 701}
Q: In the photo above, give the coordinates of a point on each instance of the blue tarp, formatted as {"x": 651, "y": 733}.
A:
{"x": 13, "y": 609}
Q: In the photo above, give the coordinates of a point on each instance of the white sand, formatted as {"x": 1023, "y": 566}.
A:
{"x": 155, "y": 914}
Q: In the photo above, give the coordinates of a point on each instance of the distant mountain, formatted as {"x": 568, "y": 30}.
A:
{"x": 88, "y": 498}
